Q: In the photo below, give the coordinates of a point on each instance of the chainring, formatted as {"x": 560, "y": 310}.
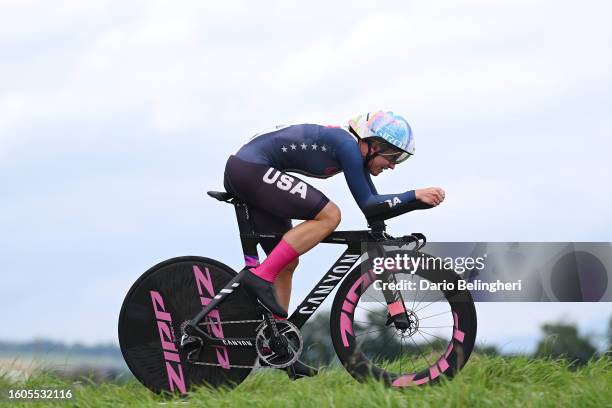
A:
{"x": 264, "y": 344}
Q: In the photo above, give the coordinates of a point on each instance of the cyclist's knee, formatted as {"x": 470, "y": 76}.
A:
{"x": 330, "y": 215}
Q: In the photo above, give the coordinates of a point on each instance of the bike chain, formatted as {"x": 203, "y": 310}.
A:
{"x": 231, "y": 365}
{"x": 232, "y": 321}
{"x": 219, "y": 365}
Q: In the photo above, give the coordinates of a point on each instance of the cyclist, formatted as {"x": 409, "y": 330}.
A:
{"x": 257, "y": 174}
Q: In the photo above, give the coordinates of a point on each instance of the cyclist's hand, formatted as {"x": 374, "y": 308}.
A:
{"x": 432, "y": 195}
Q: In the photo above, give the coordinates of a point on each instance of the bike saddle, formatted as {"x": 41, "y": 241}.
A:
{"x": 221, "y": 195}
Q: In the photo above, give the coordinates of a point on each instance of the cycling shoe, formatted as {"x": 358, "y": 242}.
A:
{"x": 263, "y": 291}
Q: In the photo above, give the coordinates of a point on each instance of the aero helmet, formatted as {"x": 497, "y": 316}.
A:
{"x": 387, "y": 127}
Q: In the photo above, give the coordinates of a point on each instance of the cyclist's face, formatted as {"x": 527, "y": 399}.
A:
{"x": 380, "y": 163}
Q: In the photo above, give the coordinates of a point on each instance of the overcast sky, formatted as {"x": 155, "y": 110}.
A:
{"x": 116, "y": 116}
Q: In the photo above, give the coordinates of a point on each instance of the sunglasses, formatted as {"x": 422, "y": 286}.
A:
{"x": 392, "y": 154}
{"x": 396, "y": 158}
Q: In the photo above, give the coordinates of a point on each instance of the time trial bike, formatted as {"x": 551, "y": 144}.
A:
{"x": 188, "y": 322}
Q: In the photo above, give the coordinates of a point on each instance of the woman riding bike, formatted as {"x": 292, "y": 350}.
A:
{"x": 257, "y": 174}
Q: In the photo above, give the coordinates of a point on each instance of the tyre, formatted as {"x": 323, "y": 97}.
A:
{"x": 441, "y": 335}
{"x": 154, "y": 311}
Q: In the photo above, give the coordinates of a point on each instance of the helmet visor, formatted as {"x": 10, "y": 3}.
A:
{"x": 396, "y": 157}
{"x": 391, "y": 153}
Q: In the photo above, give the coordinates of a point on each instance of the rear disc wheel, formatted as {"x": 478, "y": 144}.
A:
{"x": 155, "y": 311}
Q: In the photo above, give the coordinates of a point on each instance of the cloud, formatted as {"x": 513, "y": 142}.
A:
{"x": 117, "y": 116}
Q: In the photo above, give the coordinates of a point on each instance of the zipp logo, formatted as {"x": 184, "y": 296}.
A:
{"x": 285, "y": 182}
{"x": 174, "y": 368}
{"x": 207, "y": 292}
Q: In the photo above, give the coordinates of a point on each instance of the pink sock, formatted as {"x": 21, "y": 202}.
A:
{"x": 281, "y": 256}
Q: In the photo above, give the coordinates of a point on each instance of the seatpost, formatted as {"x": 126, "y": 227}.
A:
{"x": 245, "y": 224}
{"x": 247, "y": 231}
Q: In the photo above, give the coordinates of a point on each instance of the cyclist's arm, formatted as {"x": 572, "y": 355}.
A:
{"x": 373, "y": 206}
{"x": 369, "y": 180}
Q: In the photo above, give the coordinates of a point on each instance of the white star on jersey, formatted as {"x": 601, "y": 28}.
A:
{"x": 303, "y": 146}
{"x": 324, "y": 148}
{"x": 284, "y": 149}
{"x": 292, "y": 146}
{"x": 314, "y": 146}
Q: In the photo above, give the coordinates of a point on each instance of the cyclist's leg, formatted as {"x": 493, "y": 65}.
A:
{"x": 267, "y": 200}
{"x": 283, "y": 283}
{"x": 265, "y": 222}
{"x": 304, "y": 237}
{"x": 309, "y": 233}
{"x": 295, "y": 242}
{"x": 288, "y": 197}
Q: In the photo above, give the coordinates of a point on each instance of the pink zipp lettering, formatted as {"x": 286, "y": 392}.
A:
{"x": 457, "y": 334}
{"x": 448, "y": 350}
{"x": 364, "y": 280}
{"x": 346, "y": 327}
{"x": 348, "y": 307}
{"x": 443, "y": 364}
{"x": 404, "y": 381}
{"x": 158, "y": 307}
{"x": 203, "y": 281}
{"x": 176, "y": 378}
{"x": 165, "y": 336}
{"x": 433, "y": 372}
{"x": 215, "y": 319}
{"x": 172, "y": 357}
{"x": 423, "y": 380}
{"x": 174, "y": 369}
{"x": 346, "y": 324}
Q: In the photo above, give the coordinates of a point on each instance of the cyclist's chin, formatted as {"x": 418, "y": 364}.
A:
{"x": 375, "y": 171}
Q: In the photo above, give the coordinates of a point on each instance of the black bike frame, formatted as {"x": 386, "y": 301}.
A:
{"x": 353, "y": 239}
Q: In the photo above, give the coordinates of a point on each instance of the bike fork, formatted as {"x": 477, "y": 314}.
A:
{"x": 395, "y": 303}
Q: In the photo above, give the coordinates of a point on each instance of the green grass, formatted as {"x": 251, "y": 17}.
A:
{"x": 485, "y": 381}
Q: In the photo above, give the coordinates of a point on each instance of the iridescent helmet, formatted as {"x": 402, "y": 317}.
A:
{"x": 392, "y": 130}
